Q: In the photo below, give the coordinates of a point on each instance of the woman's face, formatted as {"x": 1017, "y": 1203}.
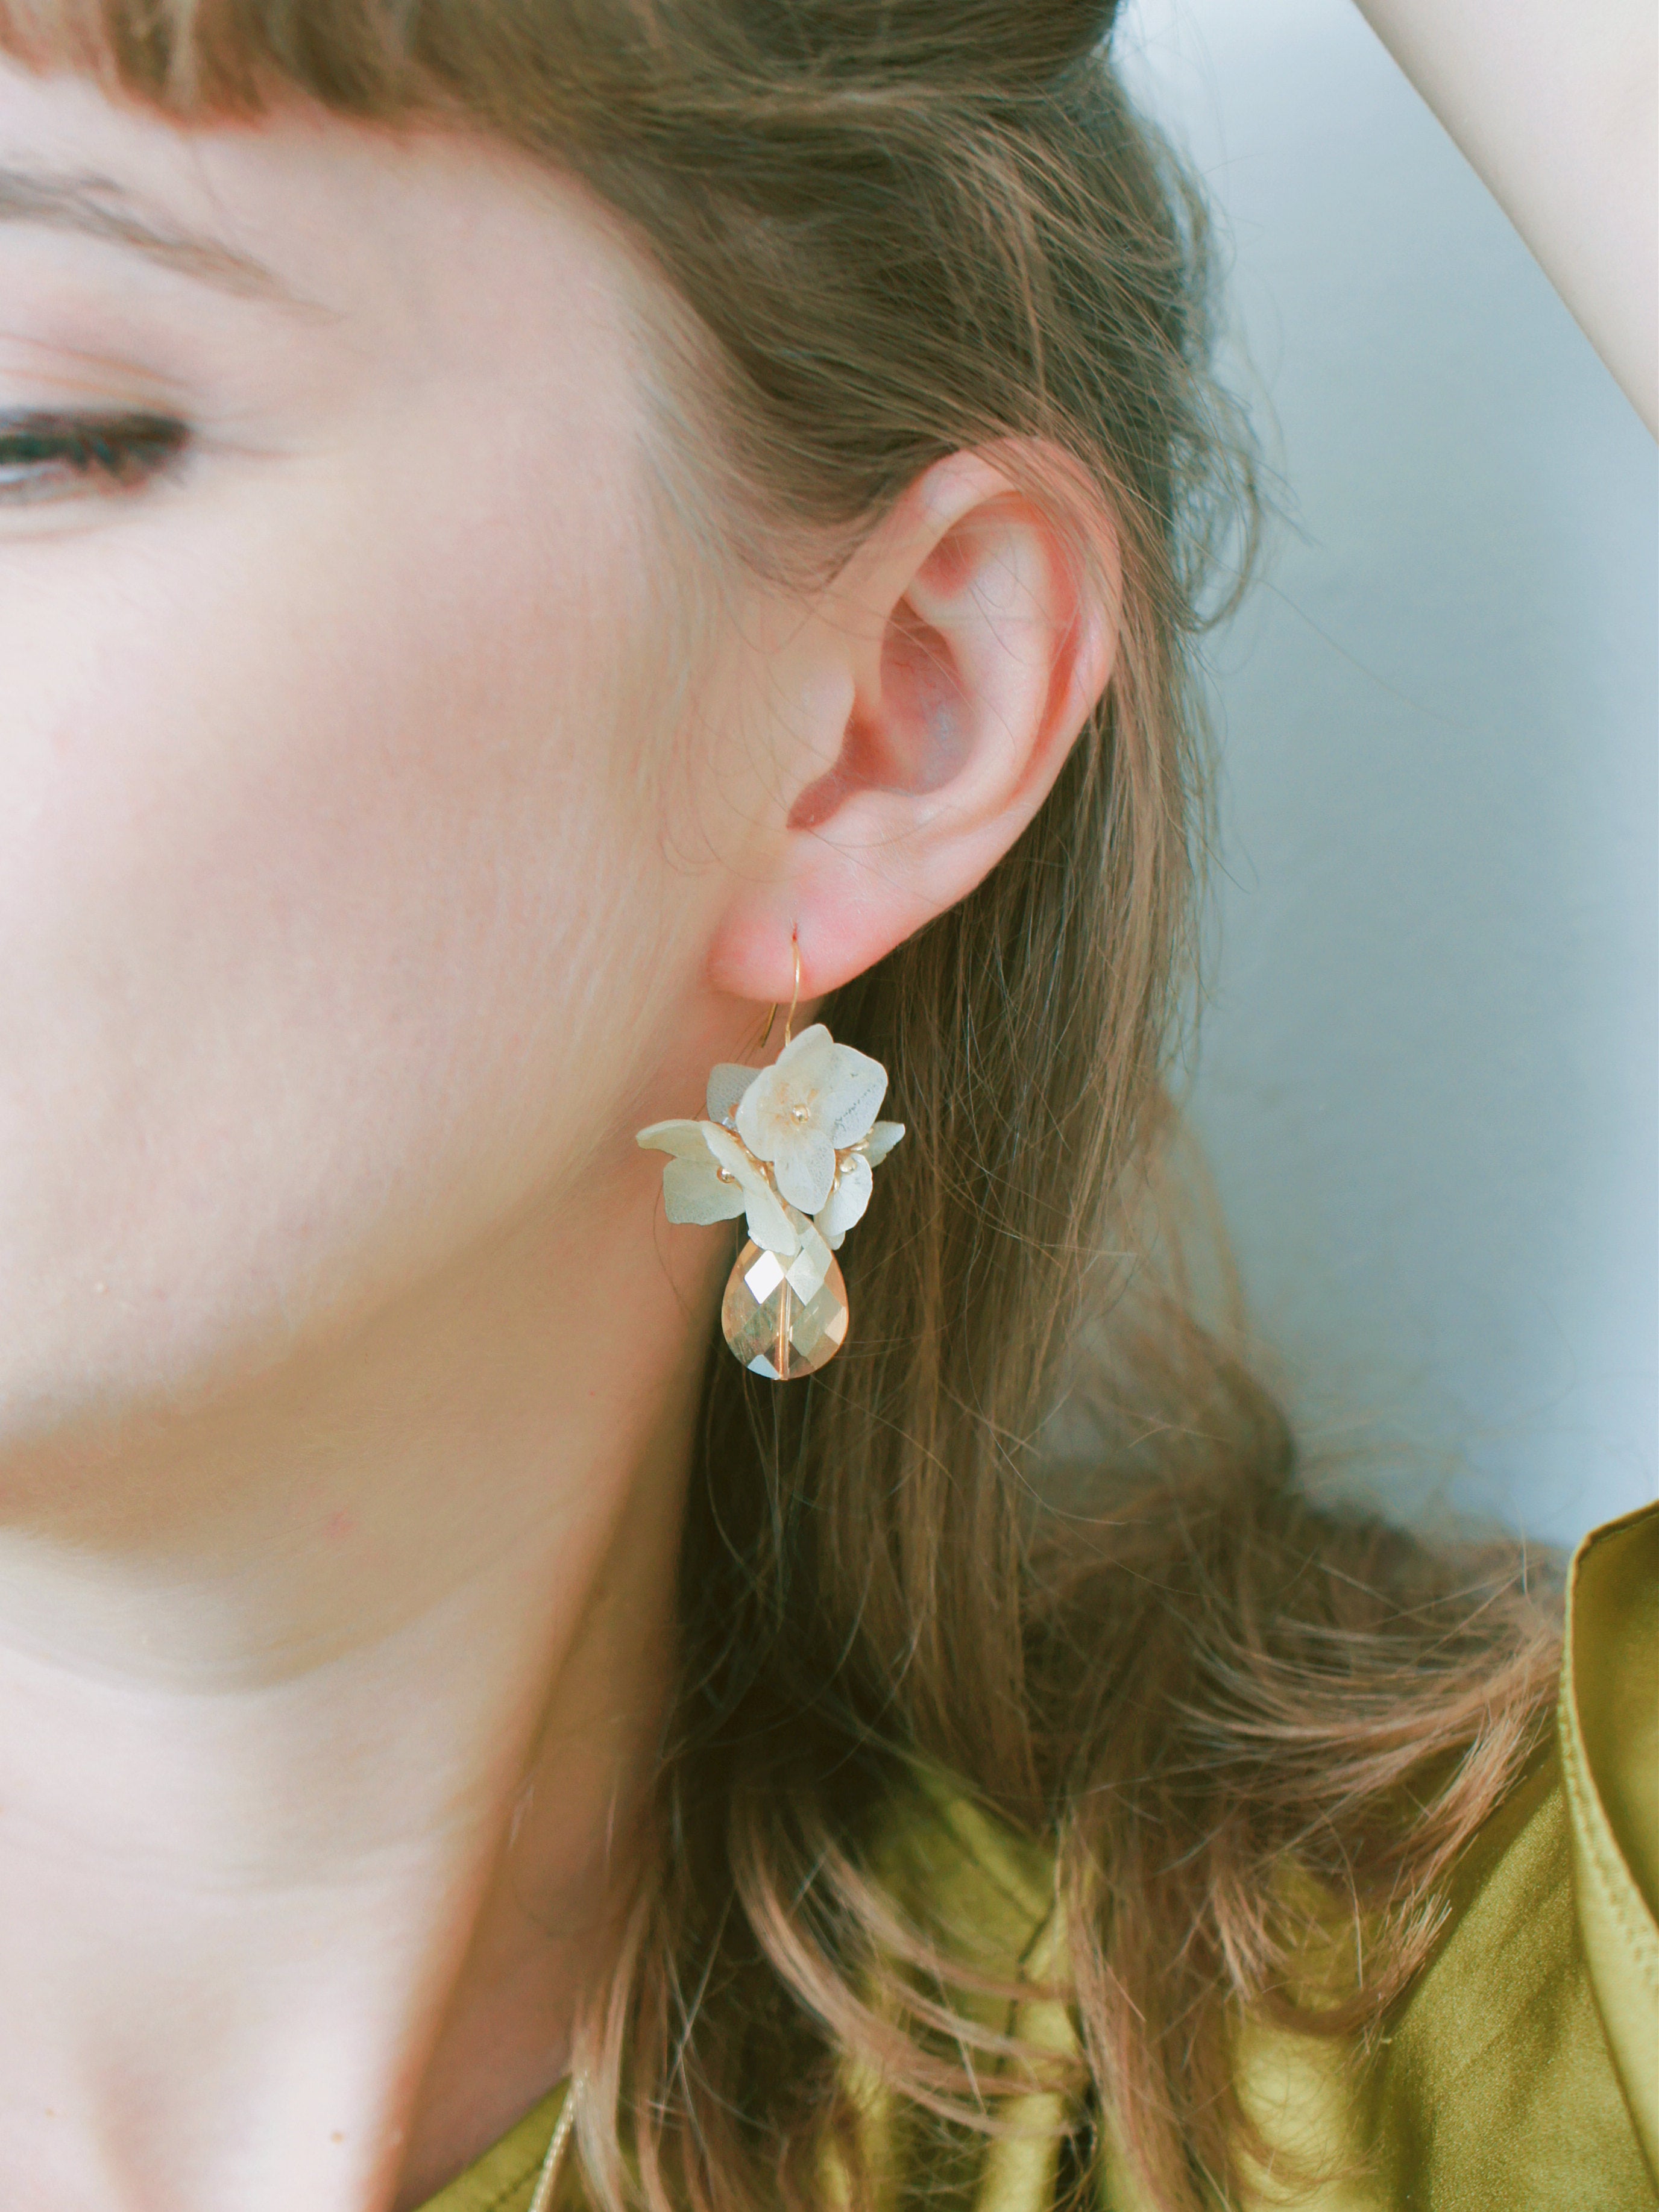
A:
{"x": 343, "y": 897}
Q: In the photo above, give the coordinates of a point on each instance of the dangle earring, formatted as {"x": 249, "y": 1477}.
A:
{"x": 791, "y": 1147}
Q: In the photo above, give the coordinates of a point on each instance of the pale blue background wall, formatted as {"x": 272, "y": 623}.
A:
{"x": 1427, "y": 1075}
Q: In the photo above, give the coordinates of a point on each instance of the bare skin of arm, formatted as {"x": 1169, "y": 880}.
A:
{"x": 1557, "y": 107}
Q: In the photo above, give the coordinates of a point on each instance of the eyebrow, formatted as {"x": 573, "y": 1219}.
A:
{"x": 98, "y": 207}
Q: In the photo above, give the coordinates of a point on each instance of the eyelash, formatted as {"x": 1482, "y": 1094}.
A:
{"x": 45, "y": 456}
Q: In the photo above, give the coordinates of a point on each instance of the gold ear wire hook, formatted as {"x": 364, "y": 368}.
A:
{"x": 789, "y": 1018}
{"x": 772, "y": 1011}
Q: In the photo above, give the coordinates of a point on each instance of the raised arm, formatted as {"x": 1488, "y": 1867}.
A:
{"x": 1556, "y": 103}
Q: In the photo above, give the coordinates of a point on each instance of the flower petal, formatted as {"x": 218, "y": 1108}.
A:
{"x": 728, "y": 1151}
{"x": 726, "y": 1084}
{"x": 847, "y": 1201}
{"x": 768, "y": 1218}
{"x": 761, "y": 1115}
{"x": 881, "y": 1141}
{"x": 693, "y": 1190}
{"x": 793, "y": 1079}
{"x": 769, "y": 1224}
{"x": 755, "y": 1114}
{"x": 801, "y": 1051}
{"x": 851, "y": 1091}
{"x": 804, "y": 1164}
{"x": 685, "y": 1140}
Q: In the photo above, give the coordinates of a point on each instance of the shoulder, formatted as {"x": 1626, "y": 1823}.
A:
{"x": 1528, "y": 2049}
{"x": 1518, "y": 2069}
{"x": 1493, "y": 2084}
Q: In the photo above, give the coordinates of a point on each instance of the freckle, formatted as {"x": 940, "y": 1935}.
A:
{"x": 337, "y": 2137}
{"x": 342, "y": 1523}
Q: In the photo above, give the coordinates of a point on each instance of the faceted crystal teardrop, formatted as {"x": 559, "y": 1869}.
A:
{"x": 783, "y": 1318}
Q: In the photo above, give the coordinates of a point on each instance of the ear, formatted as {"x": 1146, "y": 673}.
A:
{"x": 925, "y": 708}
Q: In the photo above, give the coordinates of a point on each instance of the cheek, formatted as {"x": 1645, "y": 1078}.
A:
{"x": 329, "y": 883}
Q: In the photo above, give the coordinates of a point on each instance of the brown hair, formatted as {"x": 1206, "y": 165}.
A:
{"x": 904, "y": 227}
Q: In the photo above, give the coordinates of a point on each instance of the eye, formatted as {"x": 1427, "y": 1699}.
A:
{"x": 45, "y": 456}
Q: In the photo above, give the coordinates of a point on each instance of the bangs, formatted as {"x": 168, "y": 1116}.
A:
{"x": 202, "y": 60}
{"x": 535, "y": 70}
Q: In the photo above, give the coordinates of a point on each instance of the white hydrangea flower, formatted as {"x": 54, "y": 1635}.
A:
{"x": 849, "y": 1194}
{"x": 780, "y": 1144}
{"x": 818, "y": 1099}
{"x": 712, "y": 1177}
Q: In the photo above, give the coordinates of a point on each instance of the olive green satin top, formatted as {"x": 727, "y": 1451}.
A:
{"x": 1519, "y": 2075}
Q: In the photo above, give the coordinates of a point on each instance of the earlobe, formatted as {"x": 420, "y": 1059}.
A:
{"x": 974, "y": 640}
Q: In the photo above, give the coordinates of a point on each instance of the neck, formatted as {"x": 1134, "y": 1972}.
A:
{"x": 330, "y": 1708}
